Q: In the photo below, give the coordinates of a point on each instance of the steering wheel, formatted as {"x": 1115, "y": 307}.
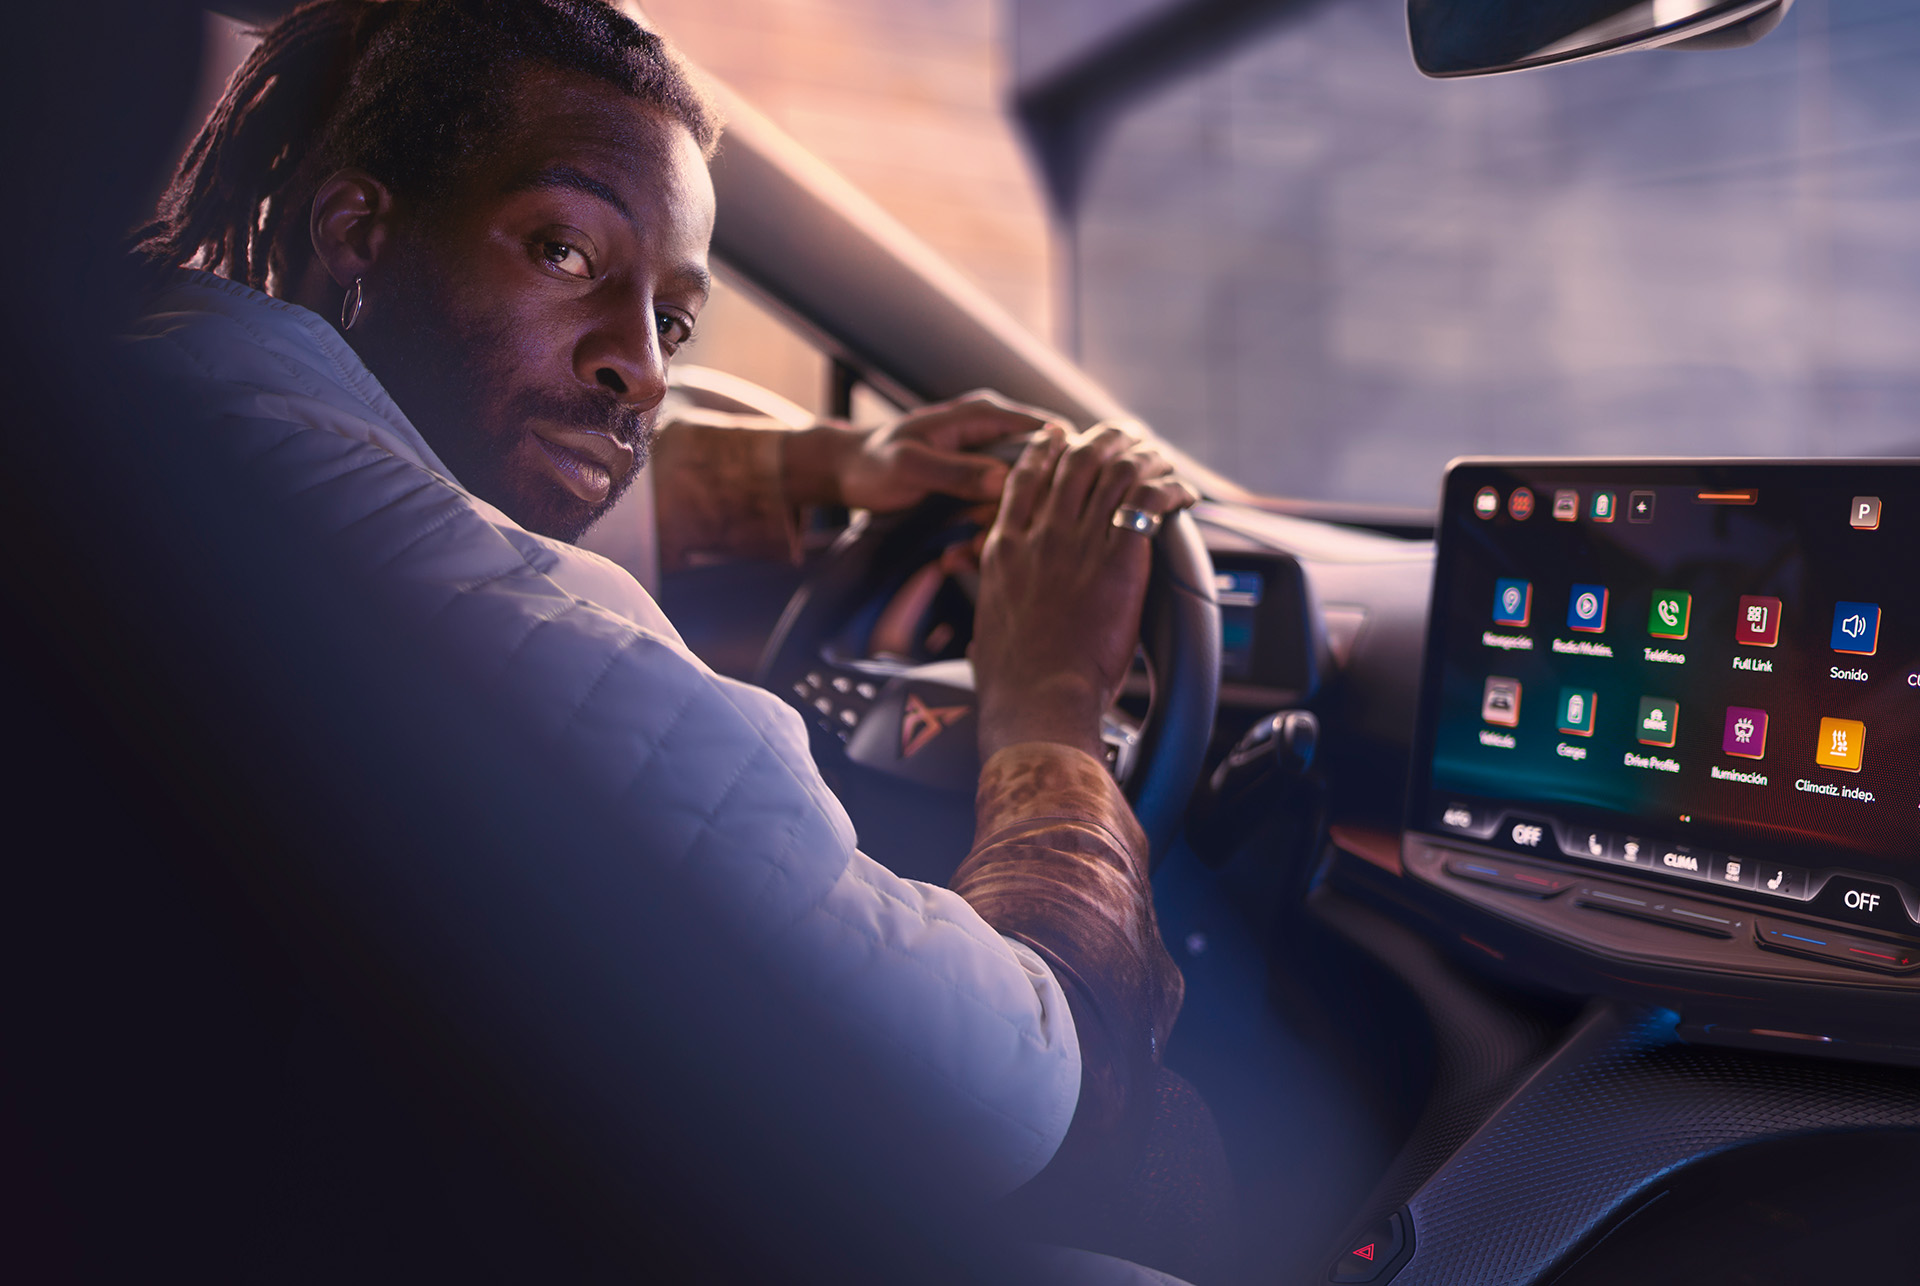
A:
{"x": 896, "y": 739}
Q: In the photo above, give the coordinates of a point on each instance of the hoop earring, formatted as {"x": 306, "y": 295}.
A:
{"x": 350, "y": 306}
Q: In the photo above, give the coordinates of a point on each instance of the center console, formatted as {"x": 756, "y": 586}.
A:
{"x": 1670, "y": 713}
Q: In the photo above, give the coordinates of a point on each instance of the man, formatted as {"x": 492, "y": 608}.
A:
{"x": 504, "y": 204}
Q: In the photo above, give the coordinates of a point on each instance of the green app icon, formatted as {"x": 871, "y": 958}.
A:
{"x": 1672, "y": 610}
{"x": 1659, "y": 721}
{"x": 1576, "y": 711}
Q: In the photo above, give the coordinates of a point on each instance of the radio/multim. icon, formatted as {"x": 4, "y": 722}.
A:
{"x": 1587, "y": 609}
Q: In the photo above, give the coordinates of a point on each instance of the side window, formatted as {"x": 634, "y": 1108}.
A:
{"x": 738, "y": 335}
{"x": 744, "y": 338}
{"x": 868, "y": 406}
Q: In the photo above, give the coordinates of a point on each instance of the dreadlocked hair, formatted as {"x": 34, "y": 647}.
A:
{"x": 411, "y": 91}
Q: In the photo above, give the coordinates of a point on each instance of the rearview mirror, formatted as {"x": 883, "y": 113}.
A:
{"x": 1482, "y": 37}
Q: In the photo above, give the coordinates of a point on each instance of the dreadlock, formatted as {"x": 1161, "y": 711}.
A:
{"x": 411, "y": 91}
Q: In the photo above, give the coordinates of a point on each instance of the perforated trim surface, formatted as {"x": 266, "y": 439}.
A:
{"x": 1621, "y": 1103}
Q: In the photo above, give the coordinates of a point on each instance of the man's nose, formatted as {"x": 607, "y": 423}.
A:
{"x": 621, "y": 354}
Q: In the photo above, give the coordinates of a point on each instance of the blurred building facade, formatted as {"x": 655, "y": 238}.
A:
{"x": 908, "y": 100}
{"x": 1326, "y": 275}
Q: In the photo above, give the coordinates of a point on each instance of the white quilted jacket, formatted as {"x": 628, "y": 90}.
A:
{"x": 732, "y": 827}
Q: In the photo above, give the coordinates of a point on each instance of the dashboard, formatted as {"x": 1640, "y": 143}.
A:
{"x": 1642, "y": 739}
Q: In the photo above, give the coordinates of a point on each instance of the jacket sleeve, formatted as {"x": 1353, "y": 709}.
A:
{"x": 1060, "y": 865}
{"x": 718, "y": 490}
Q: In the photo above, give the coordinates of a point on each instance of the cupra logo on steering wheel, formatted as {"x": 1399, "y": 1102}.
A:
{"x": 921, "y": 723}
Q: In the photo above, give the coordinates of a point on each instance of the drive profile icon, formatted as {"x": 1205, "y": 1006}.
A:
{"x": 1659, "y": 721}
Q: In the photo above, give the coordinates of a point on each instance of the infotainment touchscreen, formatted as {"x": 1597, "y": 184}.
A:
{"x": 1715, "y": 666}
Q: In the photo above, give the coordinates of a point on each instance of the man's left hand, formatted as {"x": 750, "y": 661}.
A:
{"x": 930, "y": 451}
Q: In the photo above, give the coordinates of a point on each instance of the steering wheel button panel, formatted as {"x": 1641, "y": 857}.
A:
{"x": 1820, "y": 944}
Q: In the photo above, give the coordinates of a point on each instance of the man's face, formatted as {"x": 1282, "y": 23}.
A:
{"x": 524, "y": 324}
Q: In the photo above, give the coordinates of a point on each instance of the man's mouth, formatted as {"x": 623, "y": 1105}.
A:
{"x": 586, "y": 461}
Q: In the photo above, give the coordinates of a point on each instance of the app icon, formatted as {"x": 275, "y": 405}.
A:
{"x": 1671, "y": 613}
{"x": 1758, "y": 622}
{"x": 1746, "y": 733}
{"x": 1856, "y": 628}
{"x": 1865, "y": 514}
{"x": 1659, "y": 721}
{"x": 1843, "y": 743}
{"x": 1512, "y": 602}
{"x": 1640, "y": 507}
{"x": 1602, "y": 510}
{"x": 1486, "y": 502}
{"x": 1500, "y": 703}
{"x": 1587, "y": 609}
{"x": 1520, "y": 504}
{"x": 1576, "y": 711}
{"x": 1566, "y": 506}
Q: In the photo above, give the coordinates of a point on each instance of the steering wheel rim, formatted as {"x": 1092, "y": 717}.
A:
{"x": 849, "y": 703}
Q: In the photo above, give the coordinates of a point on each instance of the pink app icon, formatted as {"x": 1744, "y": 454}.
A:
{"x": 1746, "y": 734}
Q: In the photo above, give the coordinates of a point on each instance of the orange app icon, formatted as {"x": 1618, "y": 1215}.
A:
{"x": 1843, "y": 744}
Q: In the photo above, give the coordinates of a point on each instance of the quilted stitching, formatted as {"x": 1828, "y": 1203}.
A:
{"x": 728, "y": 811}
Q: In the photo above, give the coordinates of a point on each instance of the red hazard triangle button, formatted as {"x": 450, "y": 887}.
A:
{"x": 1377, "y": 1258}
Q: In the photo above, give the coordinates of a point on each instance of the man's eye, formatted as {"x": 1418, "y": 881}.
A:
{"x": 564, "y": 257}
{"x": 673, "y": 330}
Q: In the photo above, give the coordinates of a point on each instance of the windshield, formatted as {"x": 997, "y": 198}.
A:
{"x": 1325, "y": 275}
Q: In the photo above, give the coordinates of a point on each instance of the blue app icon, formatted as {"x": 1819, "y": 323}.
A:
{"x": 1587, "y": 609}
{"x": 1856, "y": 628}
{"x": 1512, "y": 602}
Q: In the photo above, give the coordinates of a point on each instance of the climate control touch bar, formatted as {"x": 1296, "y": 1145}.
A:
{"x": 1840, "y": 895}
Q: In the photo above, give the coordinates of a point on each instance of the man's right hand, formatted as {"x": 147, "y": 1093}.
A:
{"x": 1061, "y": 587}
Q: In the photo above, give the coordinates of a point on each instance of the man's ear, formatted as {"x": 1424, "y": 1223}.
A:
{"x": 351, "y": 221}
